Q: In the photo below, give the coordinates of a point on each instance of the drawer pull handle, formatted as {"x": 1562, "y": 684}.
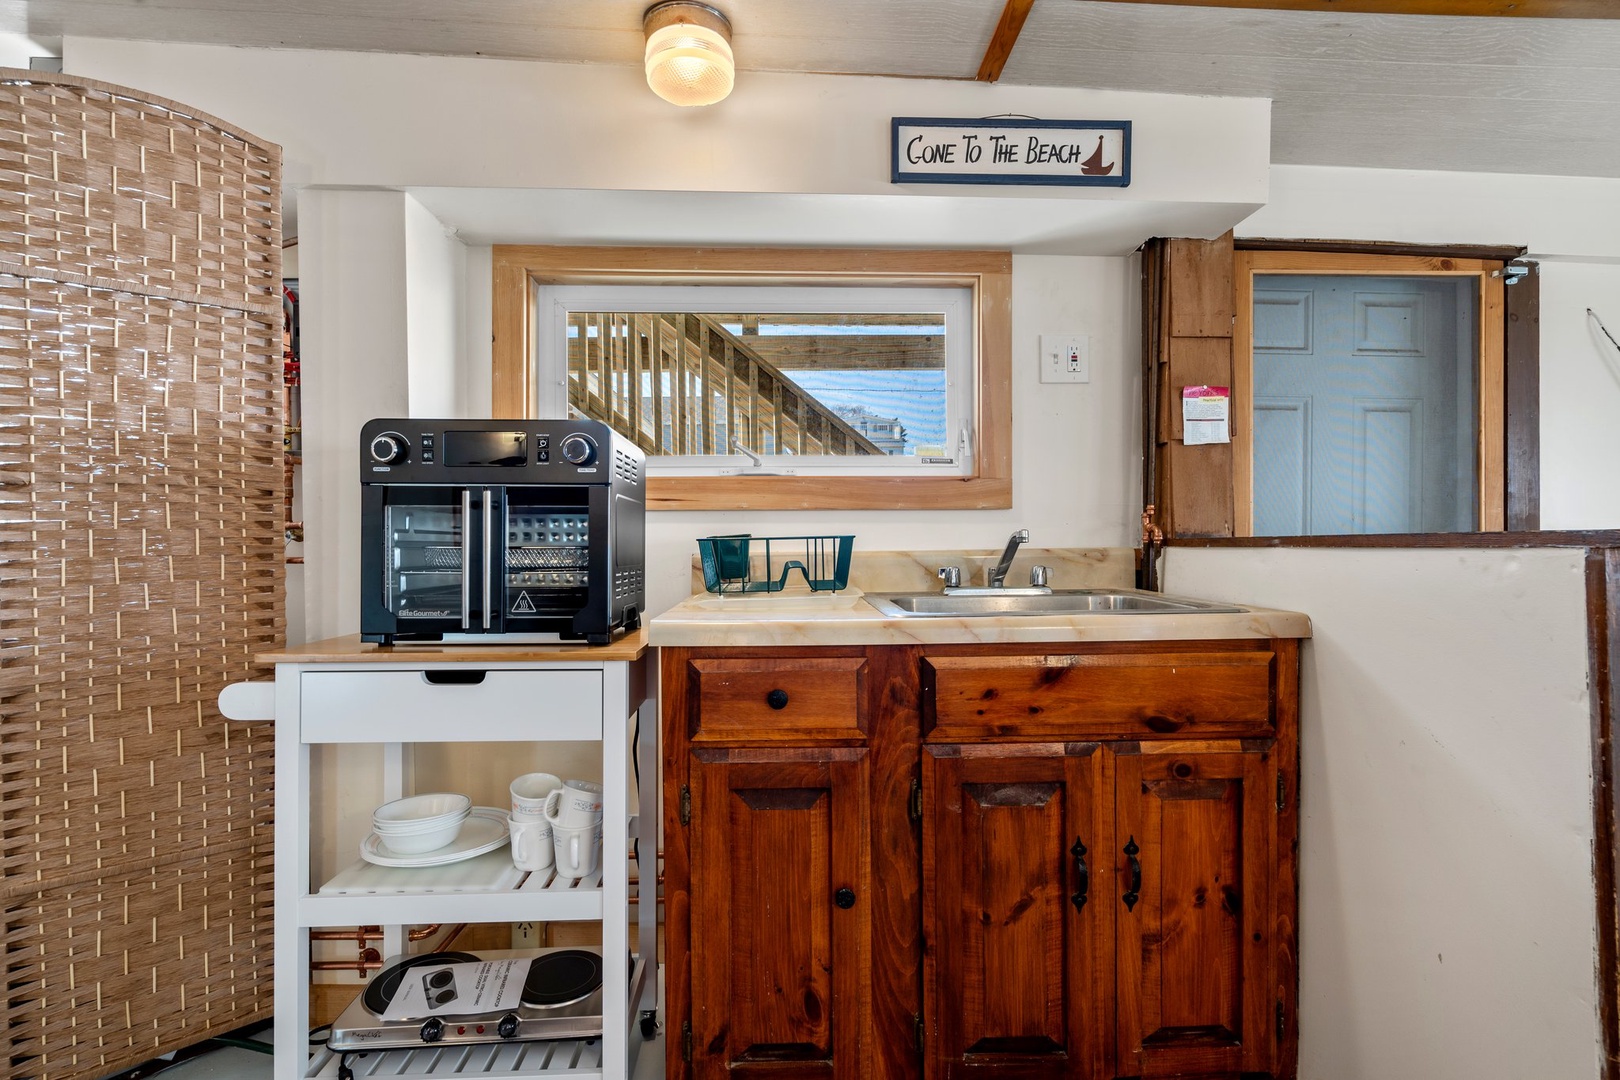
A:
{"x": 844, "y": 898}
{"x": 1133, "y": 893}
{"x": 454, "y": 678}
{"x": 777, "y": 699}
{"x": 1082, "y": 875}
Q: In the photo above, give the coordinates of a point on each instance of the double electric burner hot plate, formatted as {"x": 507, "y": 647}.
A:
{"x": 457, "y": 997}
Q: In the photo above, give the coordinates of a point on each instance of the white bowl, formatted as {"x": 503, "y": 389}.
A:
{"x": 421, "y": 842}
{"x": 417, "y": 814}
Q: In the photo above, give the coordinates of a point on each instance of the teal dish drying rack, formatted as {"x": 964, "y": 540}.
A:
{"x": 743, "y": 563}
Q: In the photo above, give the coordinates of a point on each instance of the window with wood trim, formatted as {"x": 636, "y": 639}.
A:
{"x": 1379, "y": 390}
{"x": 706, "y": 392}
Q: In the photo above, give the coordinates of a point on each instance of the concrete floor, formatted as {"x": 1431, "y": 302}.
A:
{"x": 235, "y": 1063}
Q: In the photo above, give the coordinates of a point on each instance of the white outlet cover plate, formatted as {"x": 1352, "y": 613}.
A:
{"x": 1065, "y": 358}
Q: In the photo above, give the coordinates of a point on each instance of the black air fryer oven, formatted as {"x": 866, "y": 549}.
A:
{"x": 495, "y": 529}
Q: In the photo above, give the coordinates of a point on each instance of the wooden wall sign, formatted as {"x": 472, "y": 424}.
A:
{"x": 1070, "y": 153}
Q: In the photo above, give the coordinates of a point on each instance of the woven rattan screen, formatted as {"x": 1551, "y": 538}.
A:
{"x": 141, "y": 550}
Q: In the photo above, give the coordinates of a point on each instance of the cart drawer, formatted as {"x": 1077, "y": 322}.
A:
{"x": 1065, "y": 696}
{"x": 457, "y": 703}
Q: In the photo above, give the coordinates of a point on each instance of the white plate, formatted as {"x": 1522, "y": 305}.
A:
{"x": 484, "y": 830}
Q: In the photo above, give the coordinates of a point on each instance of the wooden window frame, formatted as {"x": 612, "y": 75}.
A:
{"x": 1491, "y": 457}
{"x": 518, "y": 271}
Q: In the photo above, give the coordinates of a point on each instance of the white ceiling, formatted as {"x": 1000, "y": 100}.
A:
{"x": 1517, "y": 95}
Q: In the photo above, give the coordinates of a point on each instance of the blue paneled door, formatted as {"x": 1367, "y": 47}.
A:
{"x": 1365, "y": 418}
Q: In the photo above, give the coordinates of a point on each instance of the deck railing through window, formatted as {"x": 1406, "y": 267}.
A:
{"x": 681, "y": 383}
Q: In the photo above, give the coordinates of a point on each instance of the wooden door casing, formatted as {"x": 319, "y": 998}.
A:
{"x": 780, "y": 902}
{"x": 1194, "y": 947}
{"x": 1015, "y": 931}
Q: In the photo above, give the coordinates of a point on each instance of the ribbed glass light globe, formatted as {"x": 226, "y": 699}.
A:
{"x": 689, "y": 64}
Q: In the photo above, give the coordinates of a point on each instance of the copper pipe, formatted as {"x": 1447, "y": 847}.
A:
{"x": 363, "y": 934}
{"x": 368, "y": 960}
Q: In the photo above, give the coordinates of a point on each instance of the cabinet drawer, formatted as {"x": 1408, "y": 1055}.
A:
{"x": 787, "y": 699}
{"x": 461, "y": 704}
{"x": 1192, "y": 694}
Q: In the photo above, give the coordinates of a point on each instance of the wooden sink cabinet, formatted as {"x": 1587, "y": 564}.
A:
{"x": 941, "y": 861}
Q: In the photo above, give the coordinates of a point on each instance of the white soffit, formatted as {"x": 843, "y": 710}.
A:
{"x": 692, "y": 218}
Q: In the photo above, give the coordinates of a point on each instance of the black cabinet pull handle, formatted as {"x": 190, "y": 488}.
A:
{"x": 844, "y": 898}
{"x": 777, "y": 699}
{"x": 454, "y": 678}
{"x": 1133, "y": 893}
{"x": 1082, "y": 875}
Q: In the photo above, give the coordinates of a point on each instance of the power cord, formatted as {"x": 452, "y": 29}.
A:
{"x": 1590, "y": 314}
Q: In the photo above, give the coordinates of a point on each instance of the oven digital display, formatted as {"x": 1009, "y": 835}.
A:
{"x": 485, "y": 448}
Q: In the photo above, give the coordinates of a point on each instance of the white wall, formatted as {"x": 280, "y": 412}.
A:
{"x": 435, "y": 272}
{"x": 1446, "y": 908}
{"x": 1580, "y": 394}
{"x": 16, "y": 50}
{"x": 353, "y": 311}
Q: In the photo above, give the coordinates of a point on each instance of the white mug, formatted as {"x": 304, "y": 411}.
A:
{"x": 531, "y": 842}
{"x": 576, "y": 804}
{"x": 529, "y": 793}
{"x": 579, "y": 850}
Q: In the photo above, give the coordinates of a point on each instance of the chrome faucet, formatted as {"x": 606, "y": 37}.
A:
{"x": 996, "y": 575}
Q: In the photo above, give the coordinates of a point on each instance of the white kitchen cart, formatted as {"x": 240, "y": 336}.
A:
{"x": 343, "y": 691}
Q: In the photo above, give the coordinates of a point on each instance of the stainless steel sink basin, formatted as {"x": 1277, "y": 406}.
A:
{"x": 1021, "y": 602}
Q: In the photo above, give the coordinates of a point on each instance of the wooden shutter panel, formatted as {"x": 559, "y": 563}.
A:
{"x": 1189, "y": 344}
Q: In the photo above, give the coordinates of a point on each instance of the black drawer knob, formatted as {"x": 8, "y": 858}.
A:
{"x": 844, "y": 898}
{"x": 777, "y": 699}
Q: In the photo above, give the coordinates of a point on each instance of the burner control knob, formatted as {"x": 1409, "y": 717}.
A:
{"x": 388, "y": 448}
{"x": 433, "y": 1030}
{"x": 579, "y": 449}
{"x": 507, "y": 1028}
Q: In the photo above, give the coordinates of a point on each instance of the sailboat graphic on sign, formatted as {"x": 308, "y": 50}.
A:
{"x": 1093, "y": 165}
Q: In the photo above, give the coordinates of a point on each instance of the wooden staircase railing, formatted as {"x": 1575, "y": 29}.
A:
{"x": 681, "y": 383}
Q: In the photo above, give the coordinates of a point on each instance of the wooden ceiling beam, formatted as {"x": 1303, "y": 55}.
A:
{"x": 1003, "y": 40}
{"x": 1534, "y": 9}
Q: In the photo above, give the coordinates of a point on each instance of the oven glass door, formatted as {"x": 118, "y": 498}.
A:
{"x": 431, "y": 561}
{"x": 547, "y": 556}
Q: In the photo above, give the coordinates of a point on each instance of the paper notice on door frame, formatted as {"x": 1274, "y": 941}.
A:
{"x": 1206, "y": 415}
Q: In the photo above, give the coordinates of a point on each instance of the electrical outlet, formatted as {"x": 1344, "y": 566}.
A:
{"x": 526, "y": 935}
{"x": 1065, "y": 358}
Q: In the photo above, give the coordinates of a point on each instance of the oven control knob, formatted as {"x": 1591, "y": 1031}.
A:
{"x": 433, "y": 1030}
{"x": 578, "y": 449}
{"x": 507, "y": 1028}
{"x": 388, "y": 448}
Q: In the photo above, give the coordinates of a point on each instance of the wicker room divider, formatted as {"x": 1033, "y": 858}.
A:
{"x": 141, "y": 567}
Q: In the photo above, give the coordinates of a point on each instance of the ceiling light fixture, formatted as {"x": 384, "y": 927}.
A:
{"x": 688, "y": 52}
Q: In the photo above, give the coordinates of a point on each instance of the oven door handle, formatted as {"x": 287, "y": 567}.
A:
{"x": 489, "y": 550}
{"x": 466, "y": 558}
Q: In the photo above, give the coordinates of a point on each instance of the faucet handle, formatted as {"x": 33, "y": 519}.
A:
{"x": 1040, "y": 576}
{"x": 952, "y": 576}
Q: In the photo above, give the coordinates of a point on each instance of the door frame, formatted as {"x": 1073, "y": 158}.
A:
{"x": 1490, "y": 462}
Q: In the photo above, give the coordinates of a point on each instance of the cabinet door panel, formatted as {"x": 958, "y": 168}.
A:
{"x": 1011, "y": 976}
{"x": 779, "y": 959}
{"x": 1197, "y": 830}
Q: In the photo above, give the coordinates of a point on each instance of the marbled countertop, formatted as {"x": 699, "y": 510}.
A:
{"x": 845, "y": 618}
